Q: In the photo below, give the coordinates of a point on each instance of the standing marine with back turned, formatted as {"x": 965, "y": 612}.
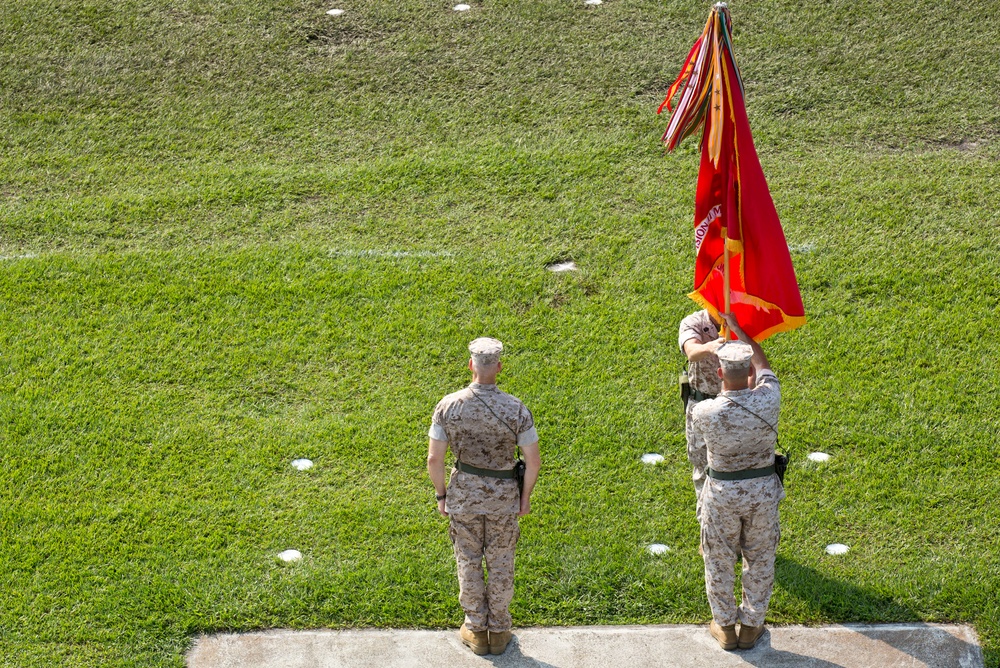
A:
{"x": 739, "y": 501}
{"x": 482, "y": 426}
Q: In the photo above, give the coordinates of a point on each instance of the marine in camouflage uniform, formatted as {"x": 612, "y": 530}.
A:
{"x": 698, "y": 338}
{"x": 481, "y": 424}
{"x": 739, "y": 502}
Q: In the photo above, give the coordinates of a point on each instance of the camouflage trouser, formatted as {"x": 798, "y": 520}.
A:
{"x": 486, "y": 603}
{"x": 698, "y": 456}
{"x": 729, "y": 529}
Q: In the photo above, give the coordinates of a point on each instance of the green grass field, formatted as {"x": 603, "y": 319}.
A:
{"x": 234, "y": 234}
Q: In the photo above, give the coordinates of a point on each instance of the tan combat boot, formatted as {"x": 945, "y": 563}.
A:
{"x": 726, "y": 635}
{"x": 499, "y": 641}
{"x": 749, "y": 635}
{"x": 477, "y": 641}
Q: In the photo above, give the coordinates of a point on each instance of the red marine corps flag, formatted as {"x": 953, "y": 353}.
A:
{"x": 743, "y": 265}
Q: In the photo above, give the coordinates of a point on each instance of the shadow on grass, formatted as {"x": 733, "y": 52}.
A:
{"x": 855, "y": 607}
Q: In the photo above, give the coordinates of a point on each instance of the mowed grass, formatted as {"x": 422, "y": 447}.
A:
{"x": 237, "y": 234}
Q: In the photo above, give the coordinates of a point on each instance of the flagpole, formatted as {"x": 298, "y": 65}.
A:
{"x": 725, "y": 280}
{"x": 723, "y": 7}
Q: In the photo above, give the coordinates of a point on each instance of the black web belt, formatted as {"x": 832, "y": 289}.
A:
{"x": 745, "y": 474}
{"x": 489, "y": 473}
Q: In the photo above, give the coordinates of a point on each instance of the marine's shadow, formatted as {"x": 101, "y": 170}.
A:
{"x": 513, "y": 658}
{"x": 765, "y": 656}
{"x": 856, "y": 607}
{"x": 841, "y": 601}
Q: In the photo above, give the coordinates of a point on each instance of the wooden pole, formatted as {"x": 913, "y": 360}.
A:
{"x": 725, "y": 280}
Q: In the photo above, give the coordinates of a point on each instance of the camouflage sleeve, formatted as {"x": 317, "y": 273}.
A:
{"x": 526, "y": 433}
{"x": 687, "y": 331}
{"x": 767, "y": 377}
{"x": 437, "y": 431}
{"x": 768, "y": 385}
{"x": 697, "y": 443}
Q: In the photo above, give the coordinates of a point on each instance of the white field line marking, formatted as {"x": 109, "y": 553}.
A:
{"x": 389, "y": 254}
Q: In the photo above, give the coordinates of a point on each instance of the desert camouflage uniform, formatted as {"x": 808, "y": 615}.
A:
{"x": 703, "y": 377}
{"x": 740, "y": 517}
{"x": 483, "y": 510}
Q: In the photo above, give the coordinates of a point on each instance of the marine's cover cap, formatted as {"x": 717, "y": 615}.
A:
{"x": 486, "y": 350}
{"x": 734, "y": 355}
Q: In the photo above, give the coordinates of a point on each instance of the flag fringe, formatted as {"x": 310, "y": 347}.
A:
{"x": 788, "y": 322}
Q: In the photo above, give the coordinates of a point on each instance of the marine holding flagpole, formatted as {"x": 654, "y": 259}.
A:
{"x": 745, "y": 282}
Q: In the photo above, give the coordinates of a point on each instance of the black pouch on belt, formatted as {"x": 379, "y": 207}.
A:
{"x": 780, "y": 464}
{"x": 519, "y": 467}
{"x": 685, "y": 384}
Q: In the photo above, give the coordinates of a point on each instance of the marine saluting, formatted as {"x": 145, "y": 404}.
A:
{"x": 745, "y": 281}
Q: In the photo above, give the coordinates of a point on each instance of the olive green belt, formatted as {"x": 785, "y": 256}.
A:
{"x": 745, "y": 474}
{"x": 489, "y": 473}
{"x": 698, "y": 395}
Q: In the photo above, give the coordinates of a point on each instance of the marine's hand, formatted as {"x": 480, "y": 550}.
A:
{"x": 441, "y": 507}
{"x": 525, "y": 506}
{"x": 733, "y": 325}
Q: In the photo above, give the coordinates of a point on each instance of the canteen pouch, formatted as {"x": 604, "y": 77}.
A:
{"x": 519, "y": 467}
{"x": 780, "y": 465}
{"x": 685, "y": 386}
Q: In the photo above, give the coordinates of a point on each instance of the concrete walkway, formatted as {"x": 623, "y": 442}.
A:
{"x": 682, "y": 646}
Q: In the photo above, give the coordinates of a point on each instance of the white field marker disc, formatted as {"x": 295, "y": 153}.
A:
{"x": 290, "y": 555}
{"x": 592, "y": 2}
{"x": 819, "y": 457}
{"x": 461, "y": 8}
{"x": 302, "y": 464}
{"x": 658, "y": 548}
{"x": 335, "y": 12}
{"x": 837, "y": 548}
{"x": 652, "y": 458}
{"x": 560, "y": 267}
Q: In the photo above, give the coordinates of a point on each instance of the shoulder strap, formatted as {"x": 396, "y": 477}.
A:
{"x": 770, "y": 426}
{"x": 509, "y": 428}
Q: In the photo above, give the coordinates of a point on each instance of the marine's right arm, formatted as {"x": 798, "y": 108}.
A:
{"x": 698, "y": 351}
{"x": 436, "y": 452}
{"x": 689, "y": 336}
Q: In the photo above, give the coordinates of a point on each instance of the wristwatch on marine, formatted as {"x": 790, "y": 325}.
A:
{"x": 440, "y": 497}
